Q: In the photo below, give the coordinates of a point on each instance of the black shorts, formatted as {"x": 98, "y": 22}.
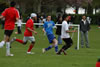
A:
{"x": 8, "y": 32}
{"x": 68, "y": 41}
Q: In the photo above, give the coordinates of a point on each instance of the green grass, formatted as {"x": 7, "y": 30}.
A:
{"x": 85, "y": 57}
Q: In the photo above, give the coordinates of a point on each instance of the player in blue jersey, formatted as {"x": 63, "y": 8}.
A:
{"x": 48, "y": 29}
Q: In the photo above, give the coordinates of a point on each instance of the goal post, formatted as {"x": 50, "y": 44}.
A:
{"x": 73, "y": 25}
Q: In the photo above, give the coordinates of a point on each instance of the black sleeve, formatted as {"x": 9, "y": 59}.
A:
{"x": 80, "y": 24}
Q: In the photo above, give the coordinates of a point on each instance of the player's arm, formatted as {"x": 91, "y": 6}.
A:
{"x": 67, "y": 29}
{"x": 44, "y": 27}
{"x": 54, "y": 26}
{"x": 17, "y": 15}
{"x": 43, "y": 30}
{"x": 32, "y": 30}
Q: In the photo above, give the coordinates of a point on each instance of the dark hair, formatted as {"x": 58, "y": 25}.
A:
{"x": 12, "y": 4}
{"x": 99, "y": 60}
{"x": 64, "y": 16}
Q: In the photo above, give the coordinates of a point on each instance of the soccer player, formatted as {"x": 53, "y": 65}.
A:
{"x": 10, "y": 14}
{"x": 48, "y": 28}
{"x": 65, "y": 36}
{"x": 28, "y": 33}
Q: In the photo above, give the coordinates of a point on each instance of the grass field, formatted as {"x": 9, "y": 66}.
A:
{"x": 85, "y": 57}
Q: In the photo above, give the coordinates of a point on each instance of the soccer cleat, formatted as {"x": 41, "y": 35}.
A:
{"x": 10, "y": 55}
{"x": 30, "y": 53}
{"x": 58, "y": 53}
{"x": 64, "y": 52}
{"x": 43, "y": 50}
{"x": 13, "y": 39}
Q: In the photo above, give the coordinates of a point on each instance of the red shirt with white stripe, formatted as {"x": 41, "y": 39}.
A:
{"x": 29, "y": 24}
{"x": 10, "y": 15}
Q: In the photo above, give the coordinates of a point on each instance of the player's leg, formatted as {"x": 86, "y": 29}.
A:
{"x": 2, "y": 42}
{"x": 59, "y": 39}
{"x": 86, "y": 39}
{"x": 32, "y": 39}
{"x": 50, "y": 38}
{"x": 62, "y": 50}
{"x": 24, "y": 41}
{"x": 8, "y": 33}
{"x": 68, "y": 44}
{"x": 19, "y": 30}
{"x": 55, "y": 44}
{"x": 82, "y": 41}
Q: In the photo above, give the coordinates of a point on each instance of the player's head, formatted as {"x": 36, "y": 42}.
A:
{"x": 33, "y": 16}
{"x": 48, "y": 18}
{"x": 12, "y": 4}
{"x": 59, "y": 18}
{"x": 99, "y": 60}
{"x": 67, "y": 18}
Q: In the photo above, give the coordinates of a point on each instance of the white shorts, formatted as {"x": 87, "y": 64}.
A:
{"x": 31, "y": 39}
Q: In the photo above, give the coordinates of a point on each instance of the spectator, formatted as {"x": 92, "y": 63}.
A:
{"x": 19, "y": 25}
{"x": 58, "y": 31}
{"x": 99, "y": 22}
{"x": 84, "y": 28}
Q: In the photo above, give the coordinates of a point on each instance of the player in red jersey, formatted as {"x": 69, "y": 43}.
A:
{"x": 28, "y": 33}
{"x": 11, "y": 15}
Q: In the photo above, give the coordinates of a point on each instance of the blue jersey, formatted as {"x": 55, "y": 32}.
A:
{"x": 48, "y": 26}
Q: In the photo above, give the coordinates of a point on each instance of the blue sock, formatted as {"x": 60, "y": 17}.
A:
{"x": 48, "y": 48}
{"x": 56, "y": 48}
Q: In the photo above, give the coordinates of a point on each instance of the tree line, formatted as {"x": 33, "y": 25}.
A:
{"x": 53, "y": 6}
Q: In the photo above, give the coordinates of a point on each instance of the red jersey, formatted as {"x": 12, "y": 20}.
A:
{"x": 10, "y": 15}
{"x": 98, "y": 64}
{"x": 29, "y": 24}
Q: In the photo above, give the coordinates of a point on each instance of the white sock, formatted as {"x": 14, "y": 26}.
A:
{"x": 7, "y": 48}
{"x": 2, "y": 44}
